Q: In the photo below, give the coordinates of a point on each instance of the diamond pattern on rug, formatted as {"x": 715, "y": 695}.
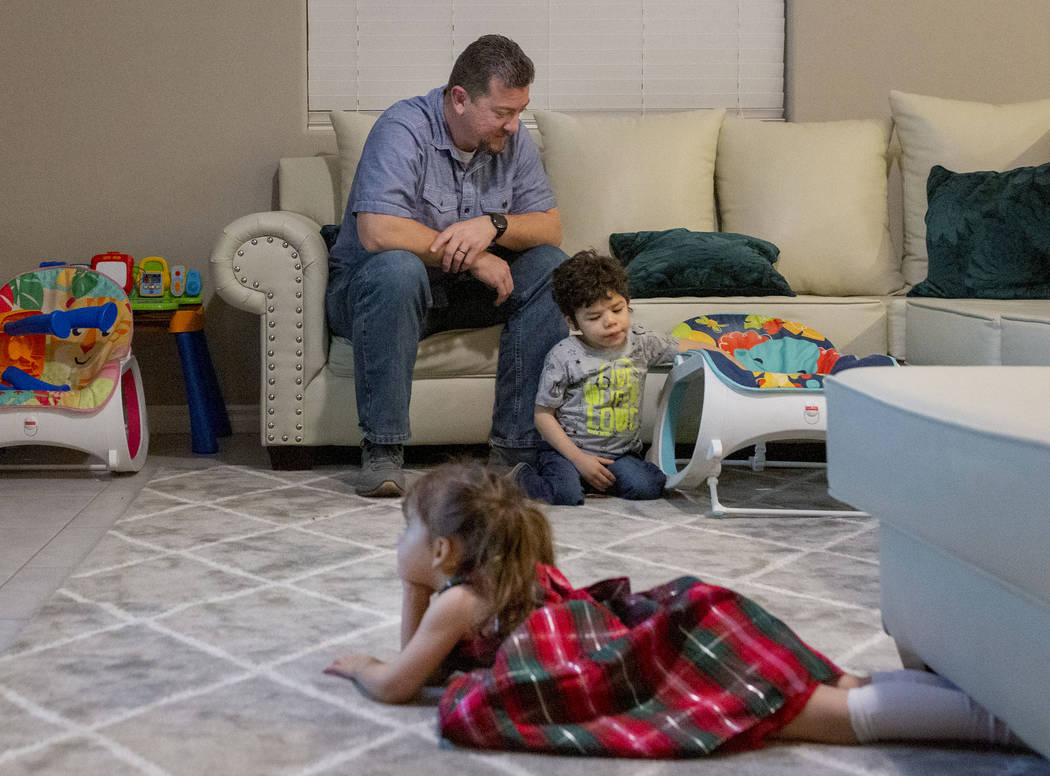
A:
{"x": 192, "y": 638}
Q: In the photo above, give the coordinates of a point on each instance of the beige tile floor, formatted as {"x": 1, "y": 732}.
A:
{"x": 51, "y": 518}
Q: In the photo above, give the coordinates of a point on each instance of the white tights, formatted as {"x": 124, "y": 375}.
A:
{"x": 919, "y": 706}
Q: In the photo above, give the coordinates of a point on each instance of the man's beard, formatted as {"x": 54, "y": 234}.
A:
{"x": 486, "y": 146}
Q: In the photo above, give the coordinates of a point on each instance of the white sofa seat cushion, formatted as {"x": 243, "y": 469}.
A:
{"x": 630, "y": 173}
{"x": 963, "y": 137}
{"x": 818, "y": 192}
{"x": 1026, "y": 337}
{"x": 975, "y": 332}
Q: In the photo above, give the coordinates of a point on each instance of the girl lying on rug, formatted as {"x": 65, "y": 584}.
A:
{"x": 680, "y": 670}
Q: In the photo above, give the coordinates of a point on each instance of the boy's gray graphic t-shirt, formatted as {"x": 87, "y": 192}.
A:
{"x": 598, "y": 393}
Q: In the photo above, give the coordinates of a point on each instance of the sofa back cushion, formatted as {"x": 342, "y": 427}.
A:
{"x": 630, "y": 173}
{"x": 351, "y": 131}
{"x": 963, "y": 137}
{"x": 818, "y": 192}
{"x": 309, "y": 186}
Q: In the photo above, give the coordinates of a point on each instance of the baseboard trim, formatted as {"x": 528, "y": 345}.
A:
{"x": 175, "y": 418}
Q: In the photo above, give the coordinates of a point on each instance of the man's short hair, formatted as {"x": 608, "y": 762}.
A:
{"x": 584, "y": 279}
{"x": 488, "y": 56}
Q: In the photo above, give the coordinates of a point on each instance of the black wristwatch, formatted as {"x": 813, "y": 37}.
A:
{"x": 500, "y": 222}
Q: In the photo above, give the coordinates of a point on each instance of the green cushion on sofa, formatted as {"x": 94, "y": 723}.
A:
{"x": 988, "y": 234}
{"x": 679, "y": 262}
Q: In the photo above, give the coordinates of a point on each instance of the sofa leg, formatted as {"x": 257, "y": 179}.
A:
{"x": 290, "y": 458}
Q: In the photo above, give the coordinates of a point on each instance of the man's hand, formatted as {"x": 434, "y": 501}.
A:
{"x": 592, "y": 469}
{"x": 463, "y": 242}
{"x": 495, "y": 273}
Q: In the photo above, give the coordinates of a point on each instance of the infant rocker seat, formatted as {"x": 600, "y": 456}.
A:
{"x": 67, "y": 374}
{"x": 777, "y": 394}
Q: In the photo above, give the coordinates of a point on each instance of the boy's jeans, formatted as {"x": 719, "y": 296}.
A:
{"x": 556, "y": 480}
{"x": 384, "y": 304}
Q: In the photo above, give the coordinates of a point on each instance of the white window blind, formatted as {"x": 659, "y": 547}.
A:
{"x": 590, "y": 55}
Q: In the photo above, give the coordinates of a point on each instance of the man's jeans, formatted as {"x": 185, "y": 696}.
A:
{"x": 556, "y": 481}
{"x": 384, "y": 304}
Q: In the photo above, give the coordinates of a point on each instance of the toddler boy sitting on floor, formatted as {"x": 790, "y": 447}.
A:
{"x": 589, "y": 402}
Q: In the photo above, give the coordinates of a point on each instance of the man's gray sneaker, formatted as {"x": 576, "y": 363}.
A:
{"x": 381, "y": 472}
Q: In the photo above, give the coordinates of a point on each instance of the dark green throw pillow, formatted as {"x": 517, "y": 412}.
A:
{"x": 988, "y": 234}
{"x": 678, "y": 262}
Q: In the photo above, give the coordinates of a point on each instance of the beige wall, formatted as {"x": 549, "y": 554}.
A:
{"x": 146, "y": 127}
{"x": 844, "y": 56}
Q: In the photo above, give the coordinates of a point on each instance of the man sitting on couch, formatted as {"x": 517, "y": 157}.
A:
{"x": 450, "y": 224}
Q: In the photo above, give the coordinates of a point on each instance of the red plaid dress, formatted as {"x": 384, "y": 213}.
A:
{"x": 676, "y": 671}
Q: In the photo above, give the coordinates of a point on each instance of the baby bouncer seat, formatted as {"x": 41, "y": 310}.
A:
{"x": 67, "y": 374}
{"x": 777, "y": 394}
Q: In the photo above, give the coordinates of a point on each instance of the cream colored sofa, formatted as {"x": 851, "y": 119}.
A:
{"x": 816, "y": 190}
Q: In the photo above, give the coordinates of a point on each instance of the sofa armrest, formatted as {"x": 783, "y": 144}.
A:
{"x": 275, "y": 264}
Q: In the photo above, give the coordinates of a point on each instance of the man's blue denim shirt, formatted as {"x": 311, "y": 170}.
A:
{"x": 408, "y": 169}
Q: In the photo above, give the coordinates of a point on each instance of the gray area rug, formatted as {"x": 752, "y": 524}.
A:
{"x": 192, "y": 638}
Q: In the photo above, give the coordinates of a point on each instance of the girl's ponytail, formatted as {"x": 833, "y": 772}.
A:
{"x": 518, "y": 537}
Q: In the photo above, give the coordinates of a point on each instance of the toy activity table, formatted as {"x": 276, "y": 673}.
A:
{"x": 208, "y": 417}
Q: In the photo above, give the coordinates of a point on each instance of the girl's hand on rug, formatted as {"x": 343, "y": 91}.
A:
{"x": 448, "y": 619}
{"x": 348, "y": 666}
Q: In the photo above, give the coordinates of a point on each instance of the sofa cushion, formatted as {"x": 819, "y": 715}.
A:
{"x": 975, "y": 332}
{"x": 351, "y": 131}
{"x": 678, "y": 262}
{"x": 630, "y": 173}
{"x": 816, "y": 190}
{"x": 988, "y": 234}
{"x": 965, "y": 137}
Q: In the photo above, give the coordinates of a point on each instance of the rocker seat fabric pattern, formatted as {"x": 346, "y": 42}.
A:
{"x": 88, "y": 360}
{"x": 781, "y": 355}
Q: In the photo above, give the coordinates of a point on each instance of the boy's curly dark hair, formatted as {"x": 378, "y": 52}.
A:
{"x": 584, "y": 279}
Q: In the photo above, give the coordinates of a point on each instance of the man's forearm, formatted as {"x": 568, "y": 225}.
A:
{"x": 379, "y": 232}
{"x": 527, "y": 230}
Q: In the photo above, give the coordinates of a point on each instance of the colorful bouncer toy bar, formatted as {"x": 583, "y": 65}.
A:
{"x": 23, "y": 362}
